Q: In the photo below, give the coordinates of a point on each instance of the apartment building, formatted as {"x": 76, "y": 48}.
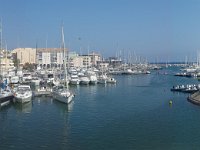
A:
{"x": 25, "y": 55}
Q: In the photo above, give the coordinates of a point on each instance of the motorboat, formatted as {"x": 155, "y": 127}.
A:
{"x": 74, "y": 79}
{"x": 84, "y": 80}
{"x": 92, "y": 77}
{"x": 23, "y": 94}
{"x": 102, "y": 79}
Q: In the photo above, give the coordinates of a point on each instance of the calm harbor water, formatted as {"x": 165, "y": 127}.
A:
{"x": 133, "y": 114}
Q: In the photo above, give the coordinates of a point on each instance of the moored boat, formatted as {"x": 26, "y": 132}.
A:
{"x": 6, "y": 96}
{"x": 23, "y": 94}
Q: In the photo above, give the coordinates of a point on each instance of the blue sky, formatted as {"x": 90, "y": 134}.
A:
{"x": 163, "y": 30}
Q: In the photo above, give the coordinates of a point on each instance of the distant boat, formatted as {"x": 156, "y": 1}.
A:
{"x": 92, "y": 76}
{"x": 186, "y": 88}
{"x": 102, "y": 79}
{"x": 84, "y": 80}
{"x": 74, "y": 80}
{"x": 111, "y": 80}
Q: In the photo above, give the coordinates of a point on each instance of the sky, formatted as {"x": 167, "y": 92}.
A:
{"x": 159, "y": 30}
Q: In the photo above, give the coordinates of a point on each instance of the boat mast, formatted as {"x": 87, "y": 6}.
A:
{"x": 0, "y": 46}
{"x": 64, "y": 57}
{"x": 6, "y": 69}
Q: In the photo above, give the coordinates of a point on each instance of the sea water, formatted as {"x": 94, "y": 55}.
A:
{"x": 133, "y": 114}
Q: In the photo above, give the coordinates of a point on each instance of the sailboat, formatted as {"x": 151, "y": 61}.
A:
{"x": 61, "y": 93}
{"x": 6, "y": 94}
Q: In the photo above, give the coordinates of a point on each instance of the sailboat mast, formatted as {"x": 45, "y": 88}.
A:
{"x": 1, "y": 44}
{"x": 6, "y": 69}
{"x": 64, "y": 57}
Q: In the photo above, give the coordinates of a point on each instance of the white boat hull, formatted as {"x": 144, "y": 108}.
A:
{"x": 5, "y": 98}
{"x": 23, "y": 99}
{"x": 63, "y": 99}
{"x": 74, "y": 82}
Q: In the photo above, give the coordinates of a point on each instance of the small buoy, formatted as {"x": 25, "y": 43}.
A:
{"x": 170, "y": 102}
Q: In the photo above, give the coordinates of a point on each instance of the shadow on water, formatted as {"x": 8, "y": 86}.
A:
{"x": 4, "y": 108}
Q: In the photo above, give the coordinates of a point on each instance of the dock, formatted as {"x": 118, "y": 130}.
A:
{"x": 47, "y": 92}
{"x": 194, "y": 98}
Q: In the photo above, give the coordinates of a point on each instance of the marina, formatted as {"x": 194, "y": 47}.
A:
{"x": 99, "y": 75}
{"x": 104, "y": 116}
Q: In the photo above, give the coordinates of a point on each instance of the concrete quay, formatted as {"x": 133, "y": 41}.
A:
{"x": 194, "y": 98}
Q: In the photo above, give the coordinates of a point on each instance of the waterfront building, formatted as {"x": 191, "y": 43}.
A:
{"x": 114, "y": 62}
{"x": 6, "y": 65}
{"x": 25, "y": 55}
{"x": 103, "y": 65}
{"x": 85, "y": 61}
{"x": 53, "y": 57}
{"x": 76, "y": 62}
{"x": 49, "y": 57}
{"x": 94, "y": 58}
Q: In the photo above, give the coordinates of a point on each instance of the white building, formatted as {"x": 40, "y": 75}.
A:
{"x": 50, "y": 57}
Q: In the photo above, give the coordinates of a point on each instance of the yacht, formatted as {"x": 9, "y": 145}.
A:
{"x": 74, "y": 80}
{"x": 23, "y": 94}
{"x": 92, "y": 76}
{"x": 102, "y": 79}
{"x": 27, "y": 77}
{"x": 84, "y": 80}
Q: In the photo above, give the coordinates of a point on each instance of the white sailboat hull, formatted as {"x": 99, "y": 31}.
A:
{"x": 63, "y": 97}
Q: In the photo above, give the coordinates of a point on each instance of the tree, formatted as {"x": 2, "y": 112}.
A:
{"x": 29, "y": 67}
{"x": 16, "y": 61}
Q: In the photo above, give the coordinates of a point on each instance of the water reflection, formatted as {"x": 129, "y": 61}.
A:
{"x": 64, "y": 111}
{"x": 4, "y": 112}
{"x": 23, "y": 107}
{"x": 64, "y": 108}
